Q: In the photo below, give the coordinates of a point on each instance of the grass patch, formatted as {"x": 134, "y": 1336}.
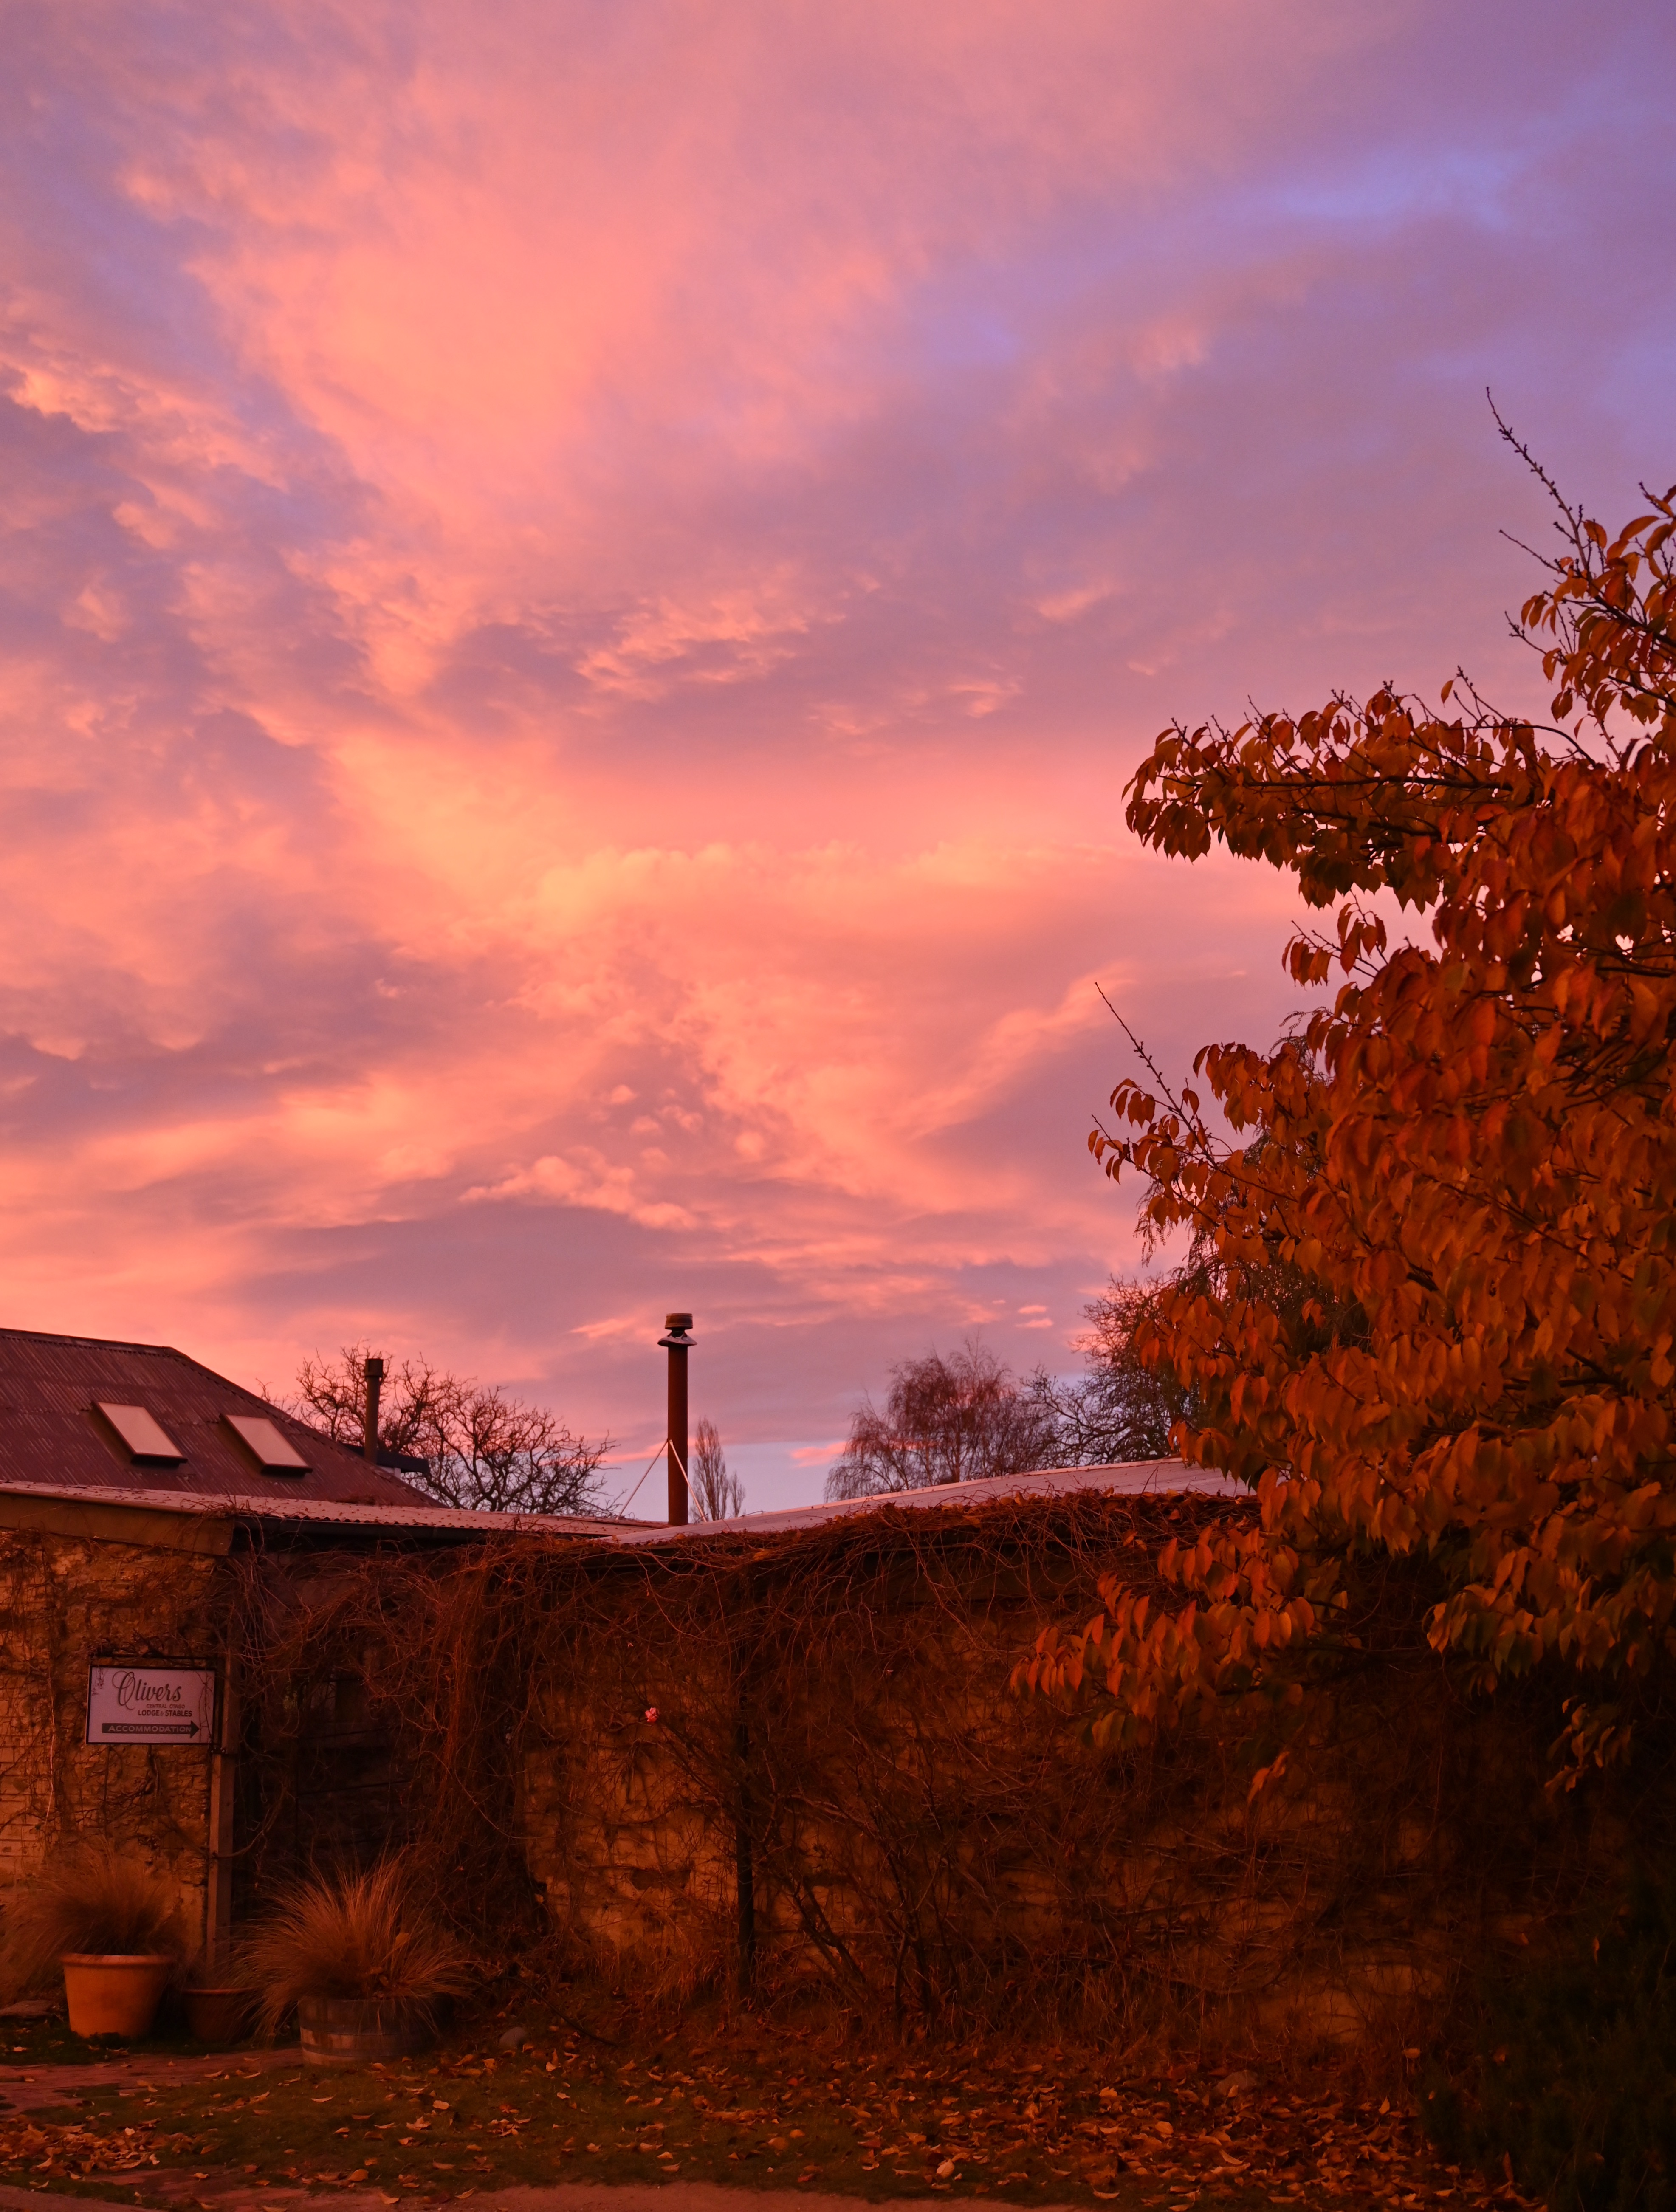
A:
{"x": 745, "y": 2107}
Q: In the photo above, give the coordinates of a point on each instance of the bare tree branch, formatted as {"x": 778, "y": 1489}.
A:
{"x": 464, "y": 1443}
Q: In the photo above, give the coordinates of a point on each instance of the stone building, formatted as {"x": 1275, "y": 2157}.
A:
{"x": 781, "y": 1746}
{"x": 139, "y": 1493}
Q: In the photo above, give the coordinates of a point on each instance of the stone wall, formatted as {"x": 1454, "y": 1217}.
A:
{"x": 796, "y": 1765}
{"x": 835, "y": 1715}
{"x": 321, "y": 1789}
{"x": 62, "y": 1603}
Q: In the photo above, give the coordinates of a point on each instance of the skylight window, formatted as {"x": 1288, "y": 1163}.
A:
{"x": 267, "y": 1444}
{"x": 145, "y": 1437}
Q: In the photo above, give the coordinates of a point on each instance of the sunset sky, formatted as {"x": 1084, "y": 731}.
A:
{"x": 579, "y": 585}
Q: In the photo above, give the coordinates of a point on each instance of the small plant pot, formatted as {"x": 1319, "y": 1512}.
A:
{"x": 218, "y": 2015}
{"x": 356, "y": 2031}
{"x": 114, "y": 1995}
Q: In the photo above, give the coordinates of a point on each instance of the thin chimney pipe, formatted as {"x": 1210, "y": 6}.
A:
{"x": 676, "y": 1341}
{"x": 373, "y": 1374}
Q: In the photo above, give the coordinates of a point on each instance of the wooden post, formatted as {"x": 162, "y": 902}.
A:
{"x": 744, "y": 1869}
{"x": 223, "y": 1788}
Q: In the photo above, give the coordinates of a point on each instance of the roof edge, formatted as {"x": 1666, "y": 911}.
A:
{"x": 99, "y": 1520}
{"x": 109, "y": 1344}
{"x": 1135, "y": 1478}
{"x": 315, "y": 1512}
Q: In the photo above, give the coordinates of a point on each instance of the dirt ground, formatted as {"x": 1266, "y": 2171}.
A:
{"x": 576, "y": 2122}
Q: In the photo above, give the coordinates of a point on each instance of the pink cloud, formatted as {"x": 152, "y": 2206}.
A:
{"x": 579, "y": 590}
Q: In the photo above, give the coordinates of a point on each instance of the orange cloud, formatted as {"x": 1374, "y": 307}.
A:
{"x": 578, "y": 591}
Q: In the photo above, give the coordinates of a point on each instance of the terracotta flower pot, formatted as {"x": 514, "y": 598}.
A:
{"x": 356, "y": 2031}
{"x": 219, "y": 2015}
{"x": 115, "y": 1994}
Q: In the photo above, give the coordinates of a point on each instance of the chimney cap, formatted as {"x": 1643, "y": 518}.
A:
{"x": 677, "y": 1321}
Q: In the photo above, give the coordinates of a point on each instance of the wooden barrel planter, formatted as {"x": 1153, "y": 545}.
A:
{"x": 113, "y": 1995}
{"x": 356, "y": 2031}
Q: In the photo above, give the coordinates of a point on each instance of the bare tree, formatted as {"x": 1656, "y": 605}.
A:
{"x": 716, "y": 1494}
{"x": 1127, "y": 1403}
{"x": 462, "y": 1443}
{"x": 418, "y": 1401}
{"x": 1121, "y": 1408}
{"x": 952, "y": 1419}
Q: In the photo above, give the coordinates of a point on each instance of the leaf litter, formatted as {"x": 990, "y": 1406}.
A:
{"x": 758, "y": 2109}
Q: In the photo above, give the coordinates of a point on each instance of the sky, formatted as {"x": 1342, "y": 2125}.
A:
{"x": 580, "y": 586}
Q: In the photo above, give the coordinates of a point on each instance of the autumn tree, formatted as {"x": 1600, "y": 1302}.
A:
{"x": 716, "y": 1493}
{"x": 466, "y": 1444}
{"x": 1468, "y": 1156}
{"x": 946, "y": 1419}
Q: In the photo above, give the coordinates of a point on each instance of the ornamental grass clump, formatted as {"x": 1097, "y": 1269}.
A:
{"x": 93, "y": 1900}
{"x": 352, "y": 1935}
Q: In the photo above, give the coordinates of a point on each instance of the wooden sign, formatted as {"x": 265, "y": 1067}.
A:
{"x": 134, "y": 1701}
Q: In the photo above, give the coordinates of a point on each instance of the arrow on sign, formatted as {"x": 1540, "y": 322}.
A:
{"x": 148, "y": 1727}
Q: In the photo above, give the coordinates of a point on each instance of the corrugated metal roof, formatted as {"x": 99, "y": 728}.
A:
{"x": 282, "y": 1503}
{"x": 1138, "y": 1478}
{"x": 327, "y": 1513}
{"x": 49, "y": 1435}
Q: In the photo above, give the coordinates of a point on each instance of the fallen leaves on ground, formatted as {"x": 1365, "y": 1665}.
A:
{"x": 44, "y": 2149}
{"x": 777, "y": 2111}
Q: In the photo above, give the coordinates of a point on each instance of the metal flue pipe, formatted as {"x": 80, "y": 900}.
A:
{"x": 372, "y": 1375}
{"x": 676, "y": 1341}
